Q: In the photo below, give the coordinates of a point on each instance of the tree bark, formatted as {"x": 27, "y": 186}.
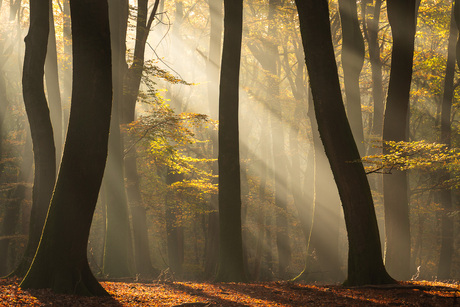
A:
{"x": 445, "y": 195}
{"x": 118, "y": 255}
{"x": 212, "y": 72}
{"x": 52, "y": 88}
{"x": 352, "y": 64}
{"x": 40, "y": 126}
{"x": 365, "y": 265}
{"x": 402, "y": 18}
{"x": 130, "y": 93}
{"x": 61, "y": 262}
{"x": 230, "y": 264}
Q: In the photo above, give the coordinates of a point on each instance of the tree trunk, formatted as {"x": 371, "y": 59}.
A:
{"x": 130, "y": 93}
{"x": 230, "y": 264}
{"x": 13, "y": 207}
{"x": 365, "y": 265}
{"x": 212, "y": 72}
{"x": 376, "y": 68}
{"x": 402, "y": 18}
{"x": 52, "y": 88}
{"x": 61, "y": 261}
{"x": 445, "y": 195}
{"x": 118, "y": 256}
{"x": 352, "y": 63}
{"x": 40, "y": 127}
{"x": 174, "y": 231}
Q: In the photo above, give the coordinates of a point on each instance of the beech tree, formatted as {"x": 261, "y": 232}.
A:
{"x": 40, "y": 126}
{"x": 61, "y": 260}
{"x": 402, "y": 18}
{"x": 365, "y": 264}
{"x": 230, "y": 263}
{"x": 445, "y": 195}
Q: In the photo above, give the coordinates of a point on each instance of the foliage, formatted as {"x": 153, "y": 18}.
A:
{"x": 420, "y": 155}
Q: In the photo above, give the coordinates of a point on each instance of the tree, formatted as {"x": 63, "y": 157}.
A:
{"x": 212, "y": 72}
{"x": 352, "y": 63}
{"x": 61, "y": 260}
{"x": 230, "y": 263}
{"x": 445, "y": 195}
{"x": 365, "y": 265}
{"x": 118, "y": 254}
{"x": 130, "y": 93}
{"x": 402, "y": 18}
{"x": 40, "y": 126}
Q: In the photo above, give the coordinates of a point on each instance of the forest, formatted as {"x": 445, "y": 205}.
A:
{"x": 286, "y": 142}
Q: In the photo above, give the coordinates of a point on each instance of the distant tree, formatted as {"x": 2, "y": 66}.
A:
{"x": 52, "y": 87}
{"x": 402, "y": 18}
{"x": 352, "y": 63}
{"x": 365, "y": 265}
{"x": 230, "y": 264}
{"x": 131, "y": 85}
{"x": 212, "y": 72}
{"x": 118, "y": 253}
{"x": 40, "y": 126}
{"x": 61, "y": 260}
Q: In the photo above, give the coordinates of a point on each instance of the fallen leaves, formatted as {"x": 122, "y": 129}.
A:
{"x": 191, "y": 294}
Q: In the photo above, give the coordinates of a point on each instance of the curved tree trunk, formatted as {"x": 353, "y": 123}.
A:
{"x": 402, "y": 17}
{"x": 61, "y": 261}
{"x": 230, "y": 264}
{"x": 365, "y": 265}
{"x": 40, "y": 126}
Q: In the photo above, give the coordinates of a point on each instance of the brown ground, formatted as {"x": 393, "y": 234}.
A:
{"x": 233, "y": 294}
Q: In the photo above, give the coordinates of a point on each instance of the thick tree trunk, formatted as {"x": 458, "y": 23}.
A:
{"x": 352, "y": 63}
{"x": 230, "y": 264}
{"x": 61, "y": 261}
{"x": 445, "y": 195}
{"x": 402, "y": 17}
{"x": 365, "y": 265}
{"x": 40, "y": 126}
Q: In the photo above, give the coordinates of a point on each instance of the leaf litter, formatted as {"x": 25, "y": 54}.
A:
{"x": 178, "y": 294}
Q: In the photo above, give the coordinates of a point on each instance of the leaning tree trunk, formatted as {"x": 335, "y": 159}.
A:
{"x": 61, "y": 261}
{"x": 230, "y": 264}
{"x": 402, "y": 18}
{"x": 40, "y": 126}
{"x": 365, "y": 265}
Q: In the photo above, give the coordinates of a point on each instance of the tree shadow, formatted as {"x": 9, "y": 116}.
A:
{"x": 46, "y": 297}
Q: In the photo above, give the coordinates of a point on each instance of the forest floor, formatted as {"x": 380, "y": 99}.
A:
{"x": 235, "y": 294}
